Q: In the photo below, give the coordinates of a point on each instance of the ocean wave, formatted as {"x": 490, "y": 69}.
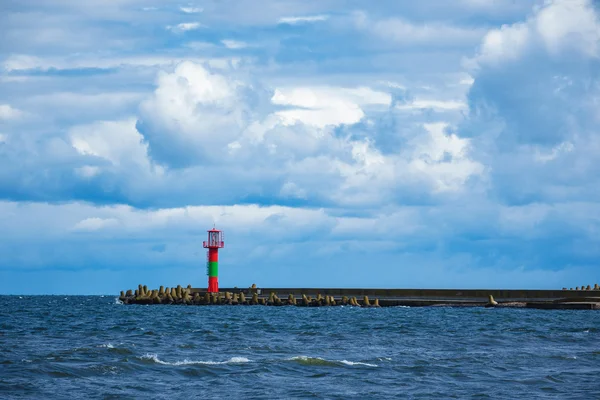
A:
{"x": 233, "y": 360}
{"x": 357, "y": 363}
{"x": 305, "y": 360}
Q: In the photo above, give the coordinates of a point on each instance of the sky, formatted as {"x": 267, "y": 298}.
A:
{"x": 385, "y": 144}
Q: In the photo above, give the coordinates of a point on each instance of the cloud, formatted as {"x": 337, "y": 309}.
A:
{"x": 8, "y": 112}
{"x": 264, "y": 143}
{"x": 191, "y": 10}
{"x": 93, "y": 224}
{"x": 193, "y": 114}
{"x": 76, "y": 107}
{"x": 322, "y": 106}
{"x": 302, "y": 241}
{"x": 438, "y": 105}
{"x": 533, "y": 105}
{"x": 444, "y": 158}
{"x": 406, "y": 33}
{"x": 24, "y": 63}
{"x": 561, "y": 26}
{"x": 302, "y": 20}
{"x": 184, "y": 27}
{"x": 116, "y": 141}
{"x": 234, "y": 44}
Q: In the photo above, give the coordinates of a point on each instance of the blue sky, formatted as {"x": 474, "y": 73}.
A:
{"x": 337, "y": 143}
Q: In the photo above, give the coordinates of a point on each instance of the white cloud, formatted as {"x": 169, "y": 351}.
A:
{"x": 290, "y": 189}
{"x": 184, "y": 27}
{"x": 558, "y": 25}
{"x": 8, "y": 112}
{"x": 300, "y": 20}
{"x": 94, "y": 224}
{"x": 437, "y": 105}
{"x": 116, "y": 141}
{"x": 234, "y": 44}
{"x": 444, "y": 158}
{"x": 193, "y": 114}
{"x": 323, "y": 106}
{"x": 568, "y": 24}
{"x": 20, "y": 62}
{"x": 564, "y": 147}
{"x": 191, "y": 10}
{"x": 533, "y": 105}
{"x": 407, "y": 33}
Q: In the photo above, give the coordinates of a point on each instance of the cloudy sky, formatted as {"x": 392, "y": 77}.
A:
{"x": 448, "y": 144}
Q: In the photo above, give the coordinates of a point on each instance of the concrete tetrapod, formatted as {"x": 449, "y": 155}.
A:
{"x": 366, "y": 302}
{"x": 491, "y": 302}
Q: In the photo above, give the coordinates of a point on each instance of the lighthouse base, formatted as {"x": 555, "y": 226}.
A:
{"x": 213, "y": 284}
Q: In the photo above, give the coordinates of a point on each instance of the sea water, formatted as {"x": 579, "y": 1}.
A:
{"x": 92, "y": 346}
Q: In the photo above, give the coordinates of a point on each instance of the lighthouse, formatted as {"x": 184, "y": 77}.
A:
{"x": 213, "y": 244}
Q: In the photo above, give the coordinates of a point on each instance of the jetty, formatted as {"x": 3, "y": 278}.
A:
{"x": 580, "y": 298}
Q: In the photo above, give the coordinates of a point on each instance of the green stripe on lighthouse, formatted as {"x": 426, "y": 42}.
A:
{"x": 213, "y": 268}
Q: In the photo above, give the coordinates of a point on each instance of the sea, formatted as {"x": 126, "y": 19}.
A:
{"x": 72, "y": 347}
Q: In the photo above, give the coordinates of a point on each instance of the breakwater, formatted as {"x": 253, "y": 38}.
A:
{"x": 586, "y": 297}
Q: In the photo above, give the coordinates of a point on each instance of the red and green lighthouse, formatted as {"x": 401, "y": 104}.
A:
{"x": 214, "y": 243}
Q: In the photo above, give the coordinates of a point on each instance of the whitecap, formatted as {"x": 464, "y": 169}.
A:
{"x": 357, "y": 363}
{"x": 232, "y": 360}
{"x": 323, "y": 361}
{"x": 117, "y": 301}
{"x": 304, "y": 358}
{"x": 107, "y": 345}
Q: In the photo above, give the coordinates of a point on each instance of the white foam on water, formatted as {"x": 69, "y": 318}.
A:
{"x": 345, "y": 362}
{"x": 117, "y": 301}
{"x": 305, "y": 358}
{"x": 107, "y": 345}
{"x": 357, "y": 363}
{"x": 232, "y": 360}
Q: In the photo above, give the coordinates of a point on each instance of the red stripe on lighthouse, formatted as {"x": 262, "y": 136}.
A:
{"x": 213, "y": 255}
{"x": 213, "y": 284}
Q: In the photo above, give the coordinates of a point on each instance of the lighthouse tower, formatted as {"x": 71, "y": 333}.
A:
{"x": 213, "y": 244}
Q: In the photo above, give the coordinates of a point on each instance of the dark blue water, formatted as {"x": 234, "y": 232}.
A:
{"x": 71, "y": 347}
